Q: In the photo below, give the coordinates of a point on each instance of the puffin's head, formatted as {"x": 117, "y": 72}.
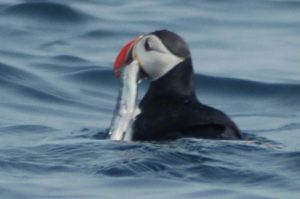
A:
{"x": 157, "y": 53}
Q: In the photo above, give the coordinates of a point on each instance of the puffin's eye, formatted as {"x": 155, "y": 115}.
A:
{"x": 147, "y": 45}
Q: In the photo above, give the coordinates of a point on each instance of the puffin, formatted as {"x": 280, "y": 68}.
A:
{"x": 170, "y": 108}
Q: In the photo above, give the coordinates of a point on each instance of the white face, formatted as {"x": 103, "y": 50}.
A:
{"x": 154, "y": 58}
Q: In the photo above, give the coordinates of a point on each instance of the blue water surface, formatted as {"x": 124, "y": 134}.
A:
{"x": 57, "y": 95}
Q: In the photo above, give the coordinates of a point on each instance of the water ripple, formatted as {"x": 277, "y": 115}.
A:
{"x": 48, "y": 11}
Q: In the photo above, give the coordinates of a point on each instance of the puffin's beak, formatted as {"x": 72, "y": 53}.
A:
{"x": 124, "y": 56}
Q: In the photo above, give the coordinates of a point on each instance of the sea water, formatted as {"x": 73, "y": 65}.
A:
{"x": 58, "y": 94}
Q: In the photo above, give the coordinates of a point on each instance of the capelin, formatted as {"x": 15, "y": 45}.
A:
{"x": 125, "y": 111}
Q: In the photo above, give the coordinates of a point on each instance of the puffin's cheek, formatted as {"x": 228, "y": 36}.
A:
{"x": 146, "y": 62}
{"x": 140, "y": 56}
{"x": 136, "y": 52}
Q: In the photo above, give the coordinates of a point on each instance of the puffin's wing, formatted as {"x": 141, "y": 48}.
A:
{"x": 208, "y": 122}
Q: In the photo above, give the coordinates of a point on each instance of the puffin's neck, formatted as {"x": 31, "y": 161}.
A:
{"x": 177, "y": 85}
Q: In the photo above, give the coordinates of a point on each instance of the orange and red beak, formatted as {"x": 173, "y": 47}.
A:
{"x": 123, "y": 56}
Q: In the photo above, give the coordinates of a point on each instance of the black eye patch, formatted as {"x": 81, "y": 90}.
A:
{"x": 147, "y": 45}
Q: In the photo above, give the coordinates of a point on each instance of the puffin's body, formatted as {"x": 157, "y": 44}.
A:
{"x": 170, "y": 108}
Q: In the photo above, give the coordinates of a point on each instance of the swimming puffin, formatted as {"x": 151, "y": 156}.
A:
{"x": 170, "y": 108}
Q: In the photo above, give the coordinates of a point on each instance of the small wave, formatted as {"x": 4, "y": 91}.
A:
{"x": 52, "y": 44}
{"x": 98, "y": 34}
{"x": 25, "y": 83}
{"x": 48, "y": 11}
{"x": 288, "y": 160}
{"x": 245, "y": 87}
{"x": 17, "y": 55}
{"x": 27, "y": 128}
{"x": 45, "y": 96}
{"x": 286, "y": 127}
{"x": 31, "y": 167}
{"x": 210, "y": 161}
{"x": 93, "y": 75}
{"x": 57, "y": 68}
{"x": 249, "y": 89}
{"x": 290, "y": 4}
{"x": 69, "y": 59}
{"x": 31, "y": 87}
{"x": 12, "y": 73}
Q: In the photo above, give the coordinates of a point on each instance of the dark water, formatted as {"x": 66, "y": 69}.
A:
{"x": 57, "y": 95}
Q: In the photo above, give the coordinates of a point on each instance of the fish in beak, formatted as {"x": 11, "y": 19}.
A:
{"x": 126, "y": 68}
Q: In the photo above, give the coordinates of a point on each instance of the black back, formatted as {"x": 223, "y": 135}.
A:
{"x": 170, "y": 110}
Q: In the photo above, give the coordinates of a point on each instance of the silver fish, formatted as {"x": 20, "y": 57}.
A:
{"x": 126, "y": 108}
